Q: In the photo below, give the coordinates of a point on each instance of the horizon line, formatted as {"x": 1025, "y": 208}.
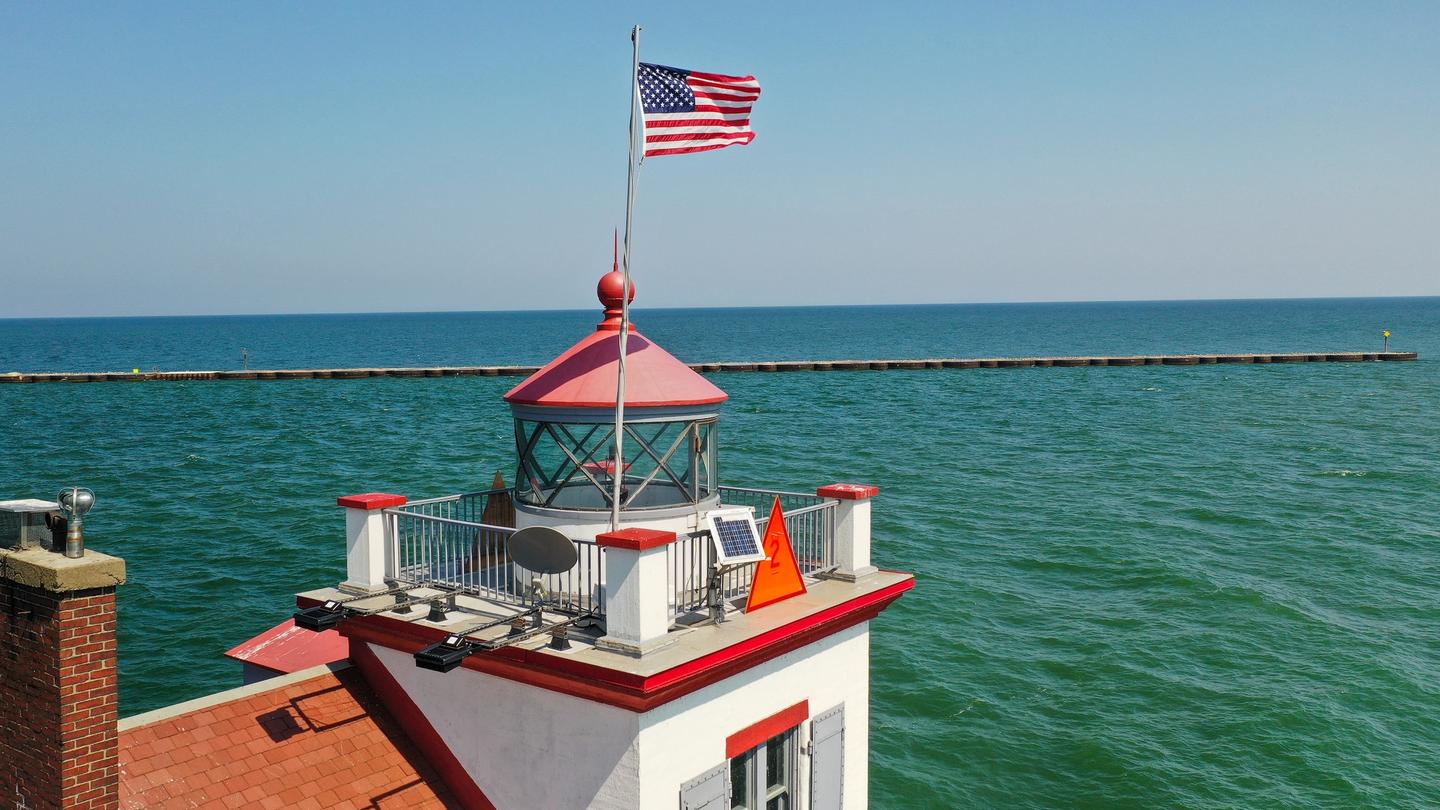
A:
{"x": 684, "y": 308}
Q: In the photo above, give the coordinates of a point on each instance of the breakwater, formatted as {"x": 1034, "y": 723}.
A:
{"x": 760, "y": 366}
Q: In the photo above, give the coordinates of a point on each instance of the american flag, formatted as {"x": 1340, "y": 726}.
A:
{"x": 690, "y": 111}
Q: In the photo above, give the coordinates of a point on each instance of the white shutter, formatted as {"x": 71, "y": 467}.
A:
{"x": 708, "y": 791}
{"x": 827, "y": 760}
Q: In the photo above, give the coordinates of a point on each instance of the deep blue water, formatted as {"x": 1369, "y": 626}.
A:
{"x": 786, "y": 333}
{"x": 1200, "y": 587}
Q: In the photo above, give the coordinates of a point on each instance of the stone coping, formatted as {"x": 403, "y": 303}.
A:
{"x": 52, "y": 571}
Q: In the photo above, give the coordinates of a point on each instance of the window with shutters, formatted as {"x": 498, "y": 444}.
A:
{"x": 763, "y": 778}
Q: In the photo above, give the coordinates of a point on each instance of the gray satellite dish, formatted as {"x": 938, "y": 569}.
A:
{"x": 543, "y": 550}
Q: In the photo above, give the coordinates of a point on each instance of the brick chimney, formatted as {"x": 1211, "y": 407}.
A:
{"x": 58, "y": 695}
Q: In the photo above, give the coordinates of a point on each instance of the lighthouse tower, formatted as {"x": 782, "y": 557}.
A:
{"x": 644, "y": 675}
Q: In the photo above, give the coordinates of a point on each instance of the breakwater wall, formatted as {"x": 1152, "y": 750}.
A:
{"x": 777, "y": 365}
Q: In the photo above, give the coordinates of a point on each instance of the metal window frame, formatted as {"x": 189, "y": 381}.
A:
{"x": 760, "y": 793}
{"x": 687, "y": 432}
{"x": 539, "y": 487}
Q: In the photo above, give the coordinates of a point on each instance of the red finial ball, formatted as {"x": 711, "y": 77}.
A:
{"x": 609, "y": 290}
{"x": 611, "y": 287}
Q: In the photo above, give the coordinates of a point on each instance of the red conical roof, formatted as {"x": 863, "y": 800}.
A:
{"x": 585, "y": 375}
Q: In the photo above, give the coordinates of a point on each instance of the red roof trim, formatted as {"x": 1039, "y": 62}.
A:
{"x": 635, "y": 539}
{"x": 419, "y": 730}
{"x": 371, "y": 501}
{"x": 625, "y": 690}
{"x": 757, "y": 733}
{"x": 629, "y": 403}
{"x": 716, "y": 666}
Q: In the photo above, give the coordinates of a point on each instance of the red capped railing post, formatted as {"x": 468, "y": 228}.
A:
{"x": 365, "y": 539}
{"x": 637, "y": 589}
{"x": 852, "y": 528}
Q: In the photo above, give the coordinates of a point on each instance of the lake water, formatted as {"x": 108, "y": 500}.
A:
{"x": 1204, "y": 587}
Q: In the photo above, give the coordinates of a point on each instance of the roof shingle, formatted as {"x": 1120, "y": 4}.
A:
{"x": 323, "y": 742}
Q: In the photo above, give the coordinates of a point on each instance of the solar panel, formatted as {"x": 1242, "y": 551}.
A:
{"x": 736, "y": 539}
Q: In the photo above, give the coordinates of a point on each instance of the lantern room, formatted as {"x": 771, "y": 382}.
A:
{"x": 565, "y": 432}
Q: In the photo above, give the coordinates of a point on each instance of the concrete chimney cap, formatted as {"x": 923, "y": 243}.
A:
{"x": 46, "y": 570}
{"x": 29, "y": 505}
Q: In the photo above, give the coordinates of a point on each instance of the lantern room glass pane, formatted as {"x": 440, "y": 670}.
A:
{"x": 569, "y": 465}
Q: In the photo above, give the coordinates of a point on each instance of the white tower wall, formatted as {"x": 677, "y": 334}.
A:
{"x": 525, "y": 747}
{"x": 686, "y": 737}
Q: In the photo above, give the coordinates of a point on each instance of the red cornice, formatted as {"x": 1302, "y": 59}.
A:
{"x": 637, "y": 693}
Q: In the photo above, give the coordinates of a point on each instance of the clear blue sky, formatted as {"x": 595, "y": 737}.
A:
{"x": 162, "y": 158}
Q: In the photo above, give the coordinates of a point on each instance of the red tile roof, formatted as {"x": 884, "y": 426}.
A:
{"x": 322, "y": 742}
{"x": 287, "y": 648}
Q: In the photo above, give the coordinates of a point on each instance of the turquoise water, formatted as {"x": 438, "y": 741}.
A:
{"x": 1206, "y": 587}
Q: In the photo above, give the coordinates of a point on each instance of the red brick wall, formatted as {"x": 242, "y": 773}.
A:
{"x": 58, "y": 699}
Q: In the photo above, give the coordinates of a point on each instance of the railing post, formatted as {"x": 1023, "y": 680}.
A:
{"x": 852, "y": 528}
{"x": 392, "y": 545}
{"x": 365, "y": 546}
{"x": 637, "y": 584}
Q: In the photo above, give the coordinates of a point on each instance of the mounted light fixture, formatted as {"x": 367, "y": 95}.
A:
{"x": 444, "y": 655}
{"x": 321, "y": 617}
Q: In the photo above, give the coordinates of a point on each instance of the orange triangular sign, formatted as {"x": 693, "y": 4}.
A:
{"x": 778, "y": 577}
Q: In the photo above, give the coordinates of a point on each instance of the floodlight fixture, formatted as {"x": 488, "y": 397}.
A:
{"x": 444, "y": 655}
{"x": 320, "y": 617}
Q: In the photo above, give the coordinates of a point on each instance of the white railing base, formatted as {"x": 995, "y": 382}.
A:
{"x": 360, "y": 588}
{"x": 632, "y": 649}
{"x": 848, "y": 576}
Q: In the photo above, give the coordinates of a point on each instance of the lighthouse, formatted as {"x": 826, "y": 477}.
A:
{"x": 540, "y": 656}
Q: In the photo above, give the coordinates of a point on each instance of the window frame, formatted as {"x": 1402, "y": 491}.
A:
{"x": 679, "y": 457}
{"x": 754, "y": 766}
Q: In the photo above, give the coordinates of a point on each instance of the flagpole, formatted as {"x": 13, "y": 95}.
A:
{"x": 617, "y": 468}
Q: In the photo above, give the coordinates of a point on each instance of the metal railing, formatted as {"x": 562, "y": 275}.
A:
{"x": 469, "y": 507}
{"x": 473, "y": 558}
{"x": 809, "y": 520}
{"x": 760, "y": 500}
{"x": 444, "y": 542}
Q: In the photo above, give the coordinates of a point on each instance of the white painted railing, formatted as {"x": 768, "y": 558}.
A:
{"x": 809, "y": 520}
{"x": 473, "y": 558}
